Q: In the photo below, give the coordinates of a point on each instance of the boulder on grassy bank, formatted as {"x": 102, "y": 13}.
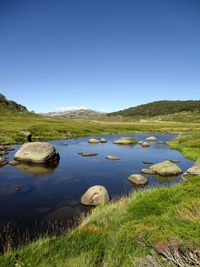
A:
{"x": 37, "y": 152}
{"x": 95, "y": 195}
{"x": 193, "y": 171}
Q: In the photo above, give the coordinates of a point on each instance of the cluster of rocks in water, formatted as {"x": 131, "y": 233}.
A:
{"x": 45, "y": 153}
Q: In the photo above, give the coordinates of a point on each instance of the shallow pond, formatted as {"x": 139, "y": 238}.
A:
{"x": 35, "y": 193}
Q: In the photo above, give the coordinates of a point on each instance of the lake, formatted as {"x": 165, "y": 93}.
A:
{"x": 31, "y": 195}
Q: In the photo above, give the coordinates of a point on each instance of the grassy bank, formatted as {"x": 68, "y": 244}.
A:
{"x": 44, "y": 128}
{"x": 128, "y": 232}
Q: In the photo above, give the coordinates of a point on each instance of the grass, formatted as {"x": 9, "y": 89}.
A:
{"x": 188, "y": 145}
{"x": 44, "y": 128}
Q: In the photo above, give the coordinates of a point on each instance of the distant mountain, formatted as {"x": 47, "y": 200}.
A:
{"x": 82, "y": 113}
{"x": 159, "y": 108}
{"x": 10, "y": 106}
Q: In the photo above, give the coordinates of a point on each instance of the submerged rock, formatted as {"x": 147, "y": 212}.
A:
{"x": 166, "y": 168}
{"x": 125, "y": 141}
{"x": 112, "y": 158}
{"x": 83, "y": 154}
{"x": 37, "y": 152}
{"x": 137, "y": 179}
{"x": 147, "y": 171}
{"x": 95, "y": 195}
{"x": 151, "y": 138}
{"x": 93, "y": 141}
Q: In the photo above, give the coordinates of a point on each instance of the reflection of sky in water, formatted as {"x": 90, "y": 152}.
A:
{"x": 55, "y": 193}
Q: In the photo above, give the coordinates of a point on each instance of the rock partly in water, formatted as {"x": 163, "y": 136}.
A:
{"x": 160, "y": 142}
{"x": 109, "y": 157}
{"x": 174, "y": 160}
{"x": 3, "y": 161}
{"x": 102, "y": 141}
{"x": 93, "y": 141}
{"x": 137, "y": 179}
{"x": 166, "y": 168}
{"x": 140, "y": 142}
{"x": 145, "y": 144}
{"x": 147, "y": 162}
{"x": 151, "y": 138}
{"x": 37, "y": 152}
{"x": 147, "y": 171}
{"x": 95, "y": 195}
{"x": 125, "y": 141}
{"x": 83, "y": 154}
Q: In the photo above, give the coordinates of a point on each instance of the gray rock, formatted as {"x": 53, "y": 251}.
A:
{"x": 125, "y": 141}
{"x": 145, "y": 144}
{"x": 83, "y": 154}
{"x": 102, "y": 140}
{"x": 13, "y": 162}
{"x": 93, "y": 141}
{"x": 95, "y": 195}
{"x": 137, "y": 179}
{"x": 36, "y": 152}
{"x": 26, "y": 134}
{"x": 112, "y": 158}
{"x": 151, "y": 138}
{"x": 166, "y": 168}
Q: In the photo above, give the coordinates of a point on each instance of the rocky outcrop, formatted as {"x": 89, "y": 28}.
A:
{"x": 95, "y": 195}
{"x": 137, "y": 179}
{"x": 37, "y": 152}
{"x": 166, "y": 168}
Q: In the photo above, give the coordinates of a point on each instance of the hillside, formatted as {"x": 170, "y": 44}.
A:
{"x": 9, "y": 106}
{"x": 159, "y": 108}
{"x": 74, "y": 113}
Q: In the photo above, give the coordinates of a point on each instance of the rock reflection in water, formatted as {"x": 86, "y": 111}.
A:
{"x": 36, "y": 169}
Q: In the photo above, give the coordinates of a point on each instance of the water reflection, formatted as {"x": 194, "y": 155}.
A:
{"x": 36, "y": 169}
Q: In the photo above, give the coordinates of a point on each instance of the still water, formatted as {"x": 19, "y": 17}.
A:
{"x": 35, "y": 193}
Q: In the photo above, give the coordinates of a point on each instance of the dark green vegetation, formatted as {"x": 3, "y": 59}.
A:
{"x": 124, "y": 232}
{"x": 159, "y": 108}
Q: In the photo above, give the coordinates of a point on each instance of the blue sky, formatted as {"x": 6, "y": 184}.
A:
{"x": 101, "y": 54}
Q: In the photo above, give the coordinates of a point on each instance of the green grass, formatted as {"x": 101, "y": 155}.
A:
{"x": 188, "y": 145}
{"x": 44, "y": 128}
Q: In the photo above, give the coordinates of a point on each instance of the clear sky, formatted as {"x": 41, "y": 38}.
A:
{"x": 101, "y": 54}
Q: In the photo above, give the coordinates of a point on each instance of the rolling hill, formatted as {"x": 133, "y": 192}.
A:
{"x": 9, "y": 106}
{"x": 159, "y": 108}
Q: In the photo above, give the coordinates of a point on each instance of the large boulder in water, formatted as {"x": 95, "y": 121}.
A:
{"x": 95, "y": 195}
{"x": 37, "y": 152}
{"x": 166, "y": 168}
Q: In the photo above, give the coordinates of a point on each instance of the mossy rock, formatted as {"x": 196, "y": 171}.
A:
{"x": 166, "y": 168}
{"x": 137, "y": 179}
{"x": 125, "y": 141}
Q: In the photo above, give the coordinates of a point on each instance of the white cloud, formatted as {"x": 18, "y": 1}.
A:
{"x": 60, "y": 109}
